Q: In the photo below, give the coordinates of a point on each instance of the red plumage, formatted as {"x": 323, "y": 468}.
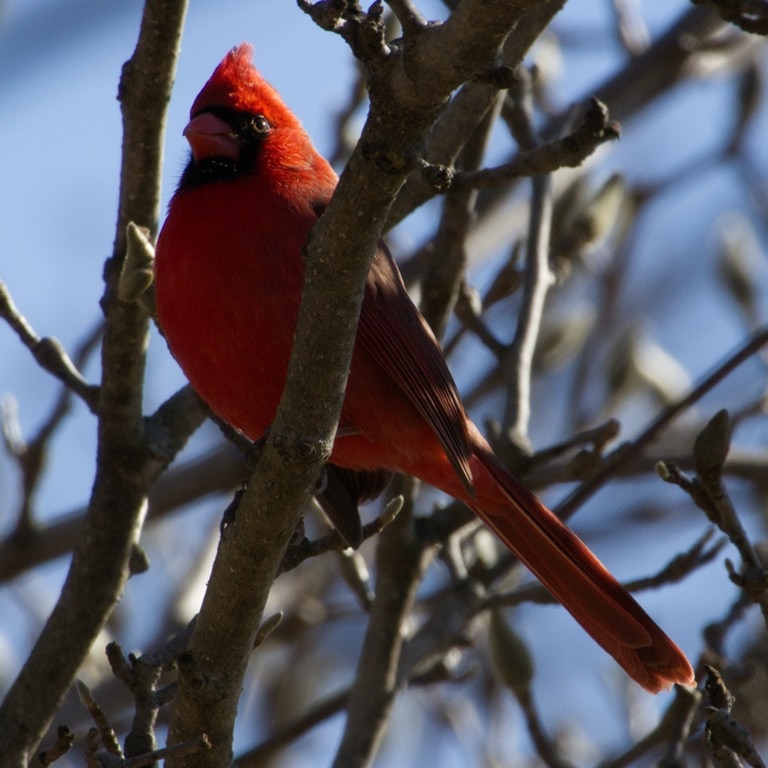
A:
{"x": 229, "y": 276}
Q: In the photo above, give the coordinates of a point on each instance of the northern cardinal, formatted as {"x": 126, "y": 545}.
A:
{"x": 229, "y": 277}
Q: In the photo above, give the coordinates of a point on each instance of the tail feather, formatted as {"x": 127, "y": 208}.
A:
{"x": 579, "y": 581}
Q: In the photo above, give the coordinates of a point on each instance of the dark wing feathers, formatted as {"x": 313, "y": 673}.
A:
{"x": 395, "y": 333}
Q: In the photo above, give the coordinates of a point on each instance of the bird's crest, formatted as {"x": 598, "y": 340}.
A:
{"x": 236, "y": 84}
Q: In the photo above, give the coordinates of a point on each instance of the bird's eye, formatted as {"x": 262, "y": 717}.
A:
{"x": 260, "y": 125}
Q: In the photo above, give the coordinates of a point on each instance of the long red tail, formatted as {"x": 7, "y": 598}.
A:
{"x": 567, "y": 568}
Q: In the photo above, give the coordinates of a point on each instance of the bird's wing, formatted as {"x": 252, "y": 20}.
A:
{"x": 393, "y": 331}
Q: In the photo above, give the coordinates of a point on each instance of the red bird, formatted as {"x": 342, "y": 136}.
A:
{"x": 229, "y": 277}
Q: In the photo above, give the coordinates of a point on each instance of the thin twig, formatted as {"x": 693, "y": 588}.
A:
{"x": 334, "y": 541}
{"x": 106, "y": 731}
{"x": 674, "y": 728}
{"x": 681, "y": 566}
{"x": 517, "y": 363}
{"x": 30, "y": 455}
{"x": 709, "y": 493}
{"x": 727, "y": 736}
{"x": 624, "y": 454}
{"x": 538, "y": 279}
{"x": 567, "y": 152}
{"x": 189, "y": 747}
{"x": 443, "y": 275}
{"x": 65, "y": 738}
{"x": 48, "y": 352}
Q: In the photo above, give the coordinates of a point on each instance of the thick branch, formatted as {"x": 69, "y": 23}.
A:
{"x": 468, "y": 108}
{"x": 401, "y": 561}
{"x": 473, "y": 35}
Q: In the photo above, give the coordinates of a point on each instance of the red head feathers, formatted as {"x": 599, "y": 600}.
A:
{"x": 235, "y": 84}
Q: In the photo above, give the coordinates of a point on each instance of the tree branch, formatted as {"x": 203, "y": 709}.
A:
{"x": 567, "y": 152}
{"x": 100, "y": 563}
{"x": 517, "y": 360}
{"x": 625, "y": 453}
{"x": 401, "y": 561}
{"x": 48, "y": 352}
